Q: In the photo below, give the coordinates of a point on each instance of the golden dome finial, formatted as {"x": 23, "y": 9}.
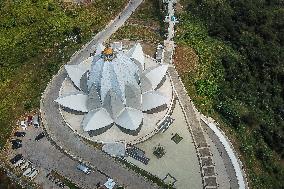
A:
{"x": 108, "y": 50}
{"x": 108, "y": 53}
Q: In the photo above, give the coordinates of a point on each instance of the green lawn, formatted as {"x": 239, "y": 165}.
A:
{"x": 145, "y": 24}
{"x": 36, "y": 38}
{"x": 228, "y": 85}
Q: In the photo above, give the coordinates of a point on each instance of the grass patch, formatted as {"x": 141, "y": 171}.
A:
{"x": 137, "y": 32}
{"x": 66, "y": 181}
{"x": 176, "y": 138}
{"x": 145, "y": 24}
{"x": 145, "y": 174}
{"x": 96, "y": 145}
{"x": 36, "y": 38}
{"x": 221, "y": 86}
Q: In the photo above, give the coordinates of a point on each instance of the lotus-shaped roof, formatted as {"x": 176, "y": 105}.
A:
{"x": 113, "y": 88}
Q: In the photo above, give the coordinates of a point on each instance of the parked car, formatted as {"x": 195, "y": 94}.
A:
{"x": 84, "y": 168}
{"x": 19, "y": 134}
{"x": 16, "y": 141}
{"x": 30, "y": 120}
{"x": 16, "y": 158}
{"x": 33, "y": 174}
{"x": 109, "y": 183}
{"x": 28, "y": 171}
{"x": 16, "y": 146}
{"x": 40, "y": 136}
{"x": 19, "y": 163}
{"x": 24, "y": 125}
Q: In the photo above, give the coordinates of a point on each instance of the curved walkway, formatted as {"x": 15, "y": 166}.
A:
{"x": 65, "y": 138}
{"x": 203, "y": 151}
{"x": 232, "y": 162}
{"x": 237, "y": 175}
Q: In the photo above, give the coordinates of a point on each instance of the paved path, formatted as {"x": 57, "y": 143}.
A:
{"x": 230, "y": 159}
{"x": 233, "y": 167}
{"x": 203, "y": 151}
{"x": 105, "y": 34}
{"x": 171, "y": 27}
{"x": 68, "y": 140}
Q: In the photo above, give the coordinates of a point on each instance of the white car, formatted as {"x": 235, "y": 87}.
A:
{"x": 25, "y": 165}
{"x": 33, "y": 174}
{"x": 84, "y": 168}
{"x": 24, "y": 125}
{"x": 27, "y": 171}
{"x": 109, "y": 183}
{"x": 21, "y": 161}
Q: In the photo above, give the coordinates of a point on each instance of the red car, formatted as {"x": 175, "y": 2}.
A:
{"x": 30, "y": 119}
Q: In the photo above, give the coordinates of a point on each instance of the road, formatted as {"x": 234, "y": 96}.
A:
{"x": 67, "y": 140}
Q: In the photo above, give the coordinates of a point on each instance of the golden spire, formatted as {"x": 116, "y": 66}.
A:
{"x": 108, "y": 53}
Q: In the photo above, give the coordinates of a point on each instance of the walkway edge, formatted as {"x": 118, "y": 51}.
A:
{"x": 237, "y": 164}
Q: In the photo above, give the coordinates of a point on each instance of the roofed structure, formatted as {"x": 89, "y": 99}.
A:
{"x": 114, "y": 89}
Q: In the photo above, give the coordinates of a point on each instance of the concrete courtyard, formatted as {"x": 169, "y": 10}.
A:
{"x": 180, "y": 160}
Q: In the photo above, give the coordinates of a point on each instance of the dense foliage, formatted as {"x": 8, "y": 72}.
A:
{"x": 241, "y": 76}
{"x": 6, "y": 183}
{"x": 36, "y": 38}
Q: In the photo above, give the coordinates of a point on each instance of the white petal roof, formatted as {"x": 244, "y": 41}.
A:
{"x": 130, "y": 119}
{"x": 96, "y": 119}
{"x": 114, "y": 90}
{"x": 156, "y": 74}
{"x": 153, "y": 99}
{"x": 145, "y": 84}
{"x": 113, "y": 104}
{"x": 84, "y": 82}
{"x": 96, "y": 73}
{"x": 133, "y": 97}
{"x": 113, "y": 75}
{"x": 136, "y": 52}
{"x": 75, "y": 72}
{"x": 76, "y": 102}
{"x": 94, "y": 100}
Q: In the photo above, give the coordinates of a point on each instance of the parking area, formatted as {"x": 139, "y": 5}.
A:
{"x": 53, "y": 168}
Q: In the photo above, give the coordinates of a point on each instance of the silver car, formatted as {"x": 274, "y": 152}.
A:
{"x": 33, "y": 174}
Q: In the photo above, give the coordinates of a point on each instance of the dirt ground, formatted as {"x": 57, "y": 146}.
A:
{"x": 186, "y": 60}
